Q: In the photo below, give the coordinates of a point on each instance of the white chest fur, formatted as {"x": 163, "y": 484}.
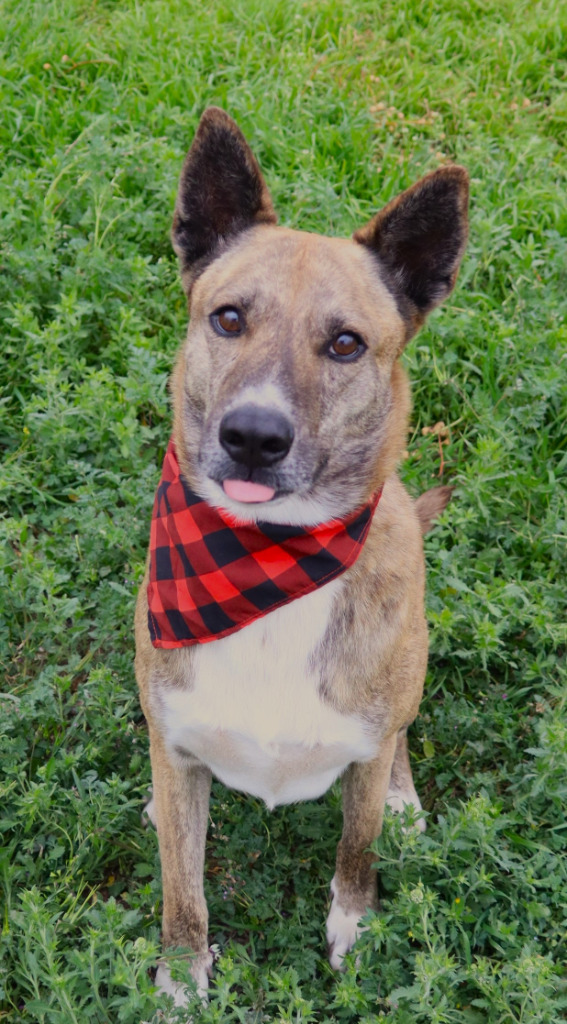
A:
{"x": 254, "y": 714}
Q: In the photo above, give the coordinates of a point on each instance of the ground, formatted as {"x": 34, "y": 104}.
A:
{"x": 345, "y": 104}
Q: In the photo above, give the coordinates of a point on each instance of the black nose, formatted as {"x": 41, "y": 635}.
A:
{"x": 256, "y": 436}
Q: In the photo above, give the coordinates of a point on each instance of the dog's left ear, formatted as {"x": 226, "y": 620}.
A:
{"x": 221, "y": 193}
{"x": 419, "y": 239}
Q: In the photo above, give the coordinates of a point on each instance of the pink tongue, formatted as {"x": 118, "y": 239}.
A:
{"x": 245, "y": 490}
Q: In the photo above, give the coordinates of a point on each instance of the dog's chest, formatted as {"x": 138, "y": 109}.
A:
{"x": 254, "y": 714}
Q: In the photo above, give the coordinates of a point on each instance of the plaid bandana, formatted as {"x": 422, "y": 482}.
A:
{"x": 210, "y": 575}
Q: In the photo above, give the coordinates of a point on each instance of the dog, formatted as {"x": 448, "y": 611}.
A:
{"x": 290, "y": 416}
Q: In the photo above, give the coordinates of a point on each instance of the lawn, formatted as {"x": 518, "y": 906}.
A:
{"x": 345, "y": 104}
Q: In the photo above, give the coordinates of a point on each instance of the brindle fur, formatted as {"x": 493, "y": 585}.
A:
{"x": 297, "y": 290}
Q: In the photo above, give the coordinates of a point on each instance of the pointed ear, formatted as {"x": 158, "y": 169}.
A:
{"x": 221, "y": 193}
{"x": 419, "y": 239}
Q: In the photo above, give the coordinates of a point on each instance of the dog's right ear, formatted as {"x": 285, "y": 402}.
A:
{"x": 221, "y": 193}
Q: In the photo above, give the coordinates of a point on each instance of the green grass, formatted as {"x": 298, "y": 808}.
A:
{"x": 345, "y": 104}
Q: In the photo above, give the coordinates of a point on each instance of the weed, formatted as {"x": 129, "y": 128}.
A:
{"x": 345, "y": 104}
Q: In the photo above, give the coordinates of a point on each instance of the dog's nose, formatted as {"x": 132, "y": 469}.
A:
{"x": 255, "y": 435}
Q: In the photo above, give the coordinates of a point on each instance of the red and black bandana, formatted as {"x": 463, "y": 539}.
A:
{"x": 210, "y": 575}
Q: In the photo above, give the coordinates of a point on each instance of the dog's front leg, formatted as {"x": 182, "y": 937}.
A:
{"x": 354, "y": 884}
{"x": 181, "y": 804}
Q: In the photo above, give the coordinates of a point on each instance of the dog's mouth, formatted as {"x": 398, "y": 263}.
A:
{"x": 288, "y": 497}
{"x": 247, "y": 491}
{"x": 258, "y": 492}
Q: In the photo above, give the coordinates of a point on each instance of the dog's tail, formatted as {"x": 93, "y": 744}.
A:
{"x": 430, "y": 504}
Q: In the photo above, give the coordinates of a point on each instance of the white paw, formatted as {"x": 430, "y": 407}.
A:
{"x": 342, "y": 931}
{"x": 180, "y": 993}
{"x": 398, "y": 800}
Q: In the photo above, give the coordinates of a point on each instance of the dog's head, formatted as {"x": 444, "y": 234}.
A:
{"x": 290, "y": 403}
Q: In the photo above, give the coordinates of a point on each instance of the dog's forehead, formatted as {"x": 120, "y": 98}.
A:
{"x": 299, "y": 272}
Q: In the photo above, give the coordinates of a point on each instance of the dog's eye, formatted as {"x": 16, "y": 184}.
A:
{"x": 227, "y": 321}
{"x": 346, "y": 347}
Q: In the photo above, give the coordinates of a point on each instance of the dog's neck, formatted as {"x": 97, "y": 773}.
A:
{"x": 211, "y": 575}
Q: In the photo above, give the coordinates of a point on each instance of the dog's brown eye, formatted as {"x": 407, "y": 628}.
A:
{"x": 346, "y": 347}
{"x": 227, "y": 321}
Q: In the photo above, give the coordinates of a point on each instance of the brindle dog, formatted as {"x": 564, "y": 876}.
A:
{"x": 305, "y": 331}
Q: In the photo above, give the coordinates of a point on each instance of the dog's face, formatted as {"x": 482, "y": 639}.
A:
{"x": 288, "y": 376}
{"x": 290, "y": 405}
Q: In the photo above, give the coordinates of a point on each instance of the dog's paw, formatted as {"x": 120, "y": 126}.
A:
{"x": 342, "y": 931}
{"x": 181, "y": 994}
{"x": 398, "y": 800}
